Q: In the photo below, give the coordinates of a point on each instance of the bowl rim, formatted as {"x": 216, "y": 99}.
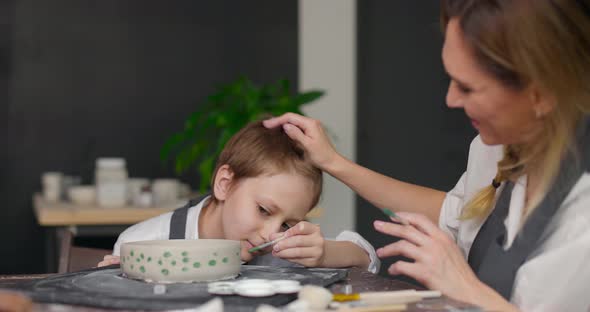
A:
{"x": 184, "y": 243}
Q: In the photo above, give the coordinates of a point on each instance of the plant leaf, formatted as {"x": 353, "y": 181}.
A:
{"x": 307, "y": 97}
{"x": 228, "y": 109}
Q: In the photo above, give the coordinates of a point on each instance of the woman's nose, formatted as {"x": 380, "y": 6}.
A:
{"x": 453, "y": 97}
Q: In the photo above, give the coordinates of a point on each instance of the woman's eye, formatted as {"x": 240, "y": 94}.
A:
{"x": 464, "y": 89}
{"x": 263, "y": 211}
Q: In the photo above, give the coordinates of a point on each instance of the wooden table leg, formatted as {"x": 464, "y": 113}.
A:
{"x": 65, "y": 237}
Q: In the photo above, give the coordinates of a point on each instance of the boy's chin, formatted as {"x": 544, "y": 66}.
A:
{"x": 244, "y": 254}
{"x": 247, "y": 256}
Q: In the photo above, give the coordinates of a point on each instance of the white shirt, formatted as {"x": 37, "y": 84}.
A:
{"x": 158, "y": 228}
{"x": 556, "y": 276}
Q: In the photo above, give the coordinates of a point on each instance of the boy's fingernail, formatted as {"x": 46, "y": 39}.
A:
{"x": 378, "y": 223}
{"x": 275, "y": 247}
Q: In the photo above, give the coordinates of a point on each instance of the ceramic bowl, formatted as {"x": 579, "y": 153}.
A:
{"x": 82, "y": 195}
{"x": 181, "y": 261}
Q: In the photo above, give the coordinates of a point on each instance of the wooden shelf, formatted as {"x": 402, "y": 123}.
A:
{"x": 66, "y": 213}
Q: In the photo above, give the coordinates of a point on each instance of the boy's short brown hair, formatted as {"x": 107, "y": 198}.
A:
{"x": 256, "y": 150}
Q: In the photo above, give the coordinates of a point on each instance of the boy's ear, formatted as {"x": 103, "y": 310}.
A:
{"x": 222, "y": 184}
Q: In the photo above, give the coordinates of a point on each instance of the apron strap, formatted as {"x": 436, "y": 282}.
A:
{"x": 497, "y": 267}
{"x": 178, "y": 219}
{"x": 493, "y": 224}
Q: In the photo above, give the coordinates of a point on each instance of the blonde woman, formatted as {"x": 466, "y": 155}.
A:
{"x": 514, "y": 233}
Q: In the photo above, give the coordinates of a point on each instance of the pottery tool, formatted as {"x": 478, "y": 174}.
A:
{"x": 393, "y": 215}
{"x": 387, "y": 297}
{"x": 13, "y": 301}
{"x": 379, "y": 308}
{"x": 262, "y": 246}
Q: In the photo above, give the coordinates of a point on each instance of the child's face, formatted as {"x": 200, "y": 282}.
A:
{"x": 254, "y": 208}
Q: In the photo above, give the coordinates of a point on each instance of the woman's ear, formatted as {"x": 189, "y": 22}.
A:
{"x": 543, "y": 102}
{"x": 222, "y": 183}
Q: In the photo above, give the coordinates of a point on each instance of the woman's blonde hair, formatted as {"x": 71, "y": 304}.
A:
{"x": 255, "y": 150}
{"x": 544, "y": 43}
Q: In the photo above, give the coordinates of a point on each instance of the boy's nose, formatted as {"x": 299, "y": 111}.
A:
{"x": 269, "y": 229}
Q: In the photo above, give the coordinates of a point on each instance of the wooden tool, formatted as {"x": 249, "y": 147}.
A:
{"x": 379, "y": 308}
{"x": 388, "y": 297}
{"x": 14, "y": 302}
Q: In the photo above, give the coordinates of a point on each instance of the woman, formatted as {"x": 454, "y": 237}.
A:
{"x": 514, "y": 232}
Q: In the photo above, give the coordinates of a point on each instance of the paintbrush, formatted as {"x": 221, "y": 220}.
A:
{"x": 393, "y": 215}
{"x": 262, "y": 246}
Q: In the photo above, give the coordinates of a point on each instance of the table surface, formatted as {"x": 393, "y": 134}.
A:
{"x": 360, "y": 280}
{"x": 66, "y": 213}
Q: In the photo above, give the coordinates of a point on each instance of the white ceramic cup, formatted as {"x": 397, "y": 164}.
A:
{"x": 165, "y": 192}
{"x": 51, "y": 182}
{"x": 134, "y": 187}
{"x": 82, "y": 194}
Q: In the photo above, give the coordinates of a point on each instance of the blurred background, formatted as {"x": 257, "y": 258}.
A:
{"x": 83, "y": 79}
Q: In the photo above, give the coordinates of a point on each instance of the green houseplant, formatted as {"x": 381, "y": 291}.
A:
{"x": 223, "y": 113}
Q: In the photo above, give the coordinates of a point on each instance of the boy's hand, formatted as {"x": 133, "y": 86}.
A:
{"x": 304, "y": 245}
{"x": 108, "y": 260}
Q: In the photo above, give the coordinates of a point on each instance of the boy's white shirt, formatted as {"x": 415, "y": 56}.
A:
{"x": 556, "y": 275}
{"x": 159, "y": 228}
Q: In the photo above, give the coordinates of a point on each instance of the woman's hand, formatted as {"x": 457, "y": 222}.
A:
{"x": 108, "y": 260}
{"x": 310, "y": 134}
{"x": 304, "y": 245}
{"x": 438, "y": 262}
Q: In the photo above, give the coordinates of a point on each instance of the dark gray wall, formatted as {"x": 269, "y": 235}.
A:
{"x": 405, "y": 129}
{"x": 80, "y": 79}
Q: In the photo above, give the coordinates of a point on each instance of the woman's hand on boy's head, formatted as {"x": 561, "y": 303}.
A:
{"x": 108, "y": 260}
{"x": 305, "y": 245}
{"x": 309, "y": 133}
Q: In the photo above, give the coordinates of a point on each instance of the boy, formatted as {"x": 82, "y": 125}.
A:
{"x": 262, "y": 188}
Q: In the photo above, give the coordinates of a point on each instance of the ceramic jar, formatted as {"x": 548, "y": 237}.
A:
{"x": 111, "y": 182}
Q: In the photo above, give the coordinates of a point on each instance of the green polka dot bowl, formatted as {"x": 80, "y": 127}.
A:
{"x": 181, "y": 260}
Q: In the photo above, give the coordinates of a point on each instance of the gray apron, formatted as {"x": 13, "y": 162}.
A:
{"x": 497, "y": 267}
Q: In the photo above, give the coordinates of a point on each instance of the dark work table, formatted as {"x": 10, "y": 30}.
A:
{"x": 359, "y": 281}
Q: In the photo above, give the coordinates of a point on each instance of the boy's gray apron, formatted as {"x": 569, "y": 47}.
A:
{"x": 497, "y": 267}
{"x": 178, "y": 229}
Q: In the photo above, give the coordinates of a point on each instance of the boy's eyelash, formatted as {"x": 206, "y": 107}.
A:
{"x": 285, "y": 226}
{"x": 265, "y": 212}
